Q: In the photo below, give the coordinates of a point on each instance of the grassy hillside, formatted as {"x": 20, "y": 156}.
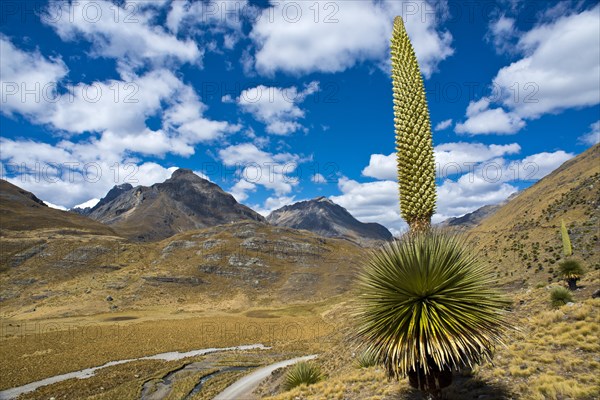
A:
{"x": 21, "y": 211}
{"x": 522, "y": 239}
{"x": 228, "y": 266}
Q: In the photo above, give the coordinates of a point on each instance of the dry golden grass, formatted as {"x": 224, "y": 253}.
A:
{"x": 552, "y": 355}
{"x": 35, "y": 352}
{"x": 368, "y": 383}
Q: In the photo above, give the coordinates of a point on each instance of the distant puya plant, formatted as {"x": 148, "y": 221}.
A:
{"x": 426, "y": 304}
{"x": 566, "y": 240}
{"x": 569, "y": 269}
{"x": 559, "y": 296}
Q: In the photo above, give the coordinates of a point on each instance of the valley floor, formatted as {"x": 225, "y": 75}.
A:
{"x": 553, "y": 355}
{"x": 36, "y": 349}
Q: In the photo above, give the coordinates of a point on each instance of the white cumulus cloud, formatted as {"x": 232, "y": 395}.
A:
{"x": 445, "y": 124}
{"x": 560, "y": 67}
{"x": 277, "y": 108}
{"x": 318, "y": 179}
{"x": 324, "y": 36}
{"x": 593, "y": 136}
{"x": 483, "y": 120}
{"x": 125, "y": 32}
{"x": 28, "y": 81}
{"x": 273, "y": 171}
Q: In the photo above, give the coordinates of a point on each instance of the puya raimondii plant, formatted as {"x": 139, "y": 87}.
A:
{"x": 426, "y": 305}
{"x": 569, "y": 269}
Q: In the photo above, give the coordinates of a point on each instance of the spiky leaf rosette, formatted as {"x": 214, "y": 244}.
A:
{"x": 302, "y": 373}
{"x": 416, "y": 164}
{"x": 560, "y": 296}
{"x": 570, "y": 269}
{"x": 425, "y": 300}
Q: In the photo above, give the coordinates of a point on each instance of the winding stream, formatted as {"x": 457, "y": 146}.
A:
{"x": 89, "y": 372}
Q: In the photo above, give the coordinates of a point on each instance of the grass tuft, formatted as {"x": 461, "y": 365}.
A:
{"x": 560, "y": 296}
{"x": 302, "y": 373}
{"x": 366, "y": 359}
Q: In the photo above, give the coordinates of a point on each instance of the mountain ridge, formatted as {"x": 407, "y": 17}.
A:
{"x": 474, "y": 218}
{"x": 183, "y": 202}
{"x": 326, "y": 218}
{"x": 22, "y": 210}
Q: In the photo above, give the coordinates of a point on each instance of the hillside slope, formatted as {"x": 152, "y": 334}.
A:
{"x": 21, "y": 210}
{"x": 232, "y": 265}
{"x": 522, "y": 238}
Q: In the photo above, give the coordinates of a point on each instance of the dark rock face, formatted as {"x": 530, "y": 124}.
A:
{"x": 185, "y": 280}
{"x": 324, "y": 217}
{"x": 112, "y": 194}
{"x": 183, "y": 202}
{"x": 81, "y": 211}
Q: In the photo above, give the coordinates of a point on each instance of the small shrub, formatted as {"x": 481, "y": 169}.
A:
{"x": 560, "y": 296}
{"x": 366, "y": 359}
{"x": 302, "y": 373}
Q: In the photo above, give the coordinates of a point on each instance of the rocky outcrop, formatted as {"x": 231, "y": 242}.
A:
{"x": 112, "y": 194}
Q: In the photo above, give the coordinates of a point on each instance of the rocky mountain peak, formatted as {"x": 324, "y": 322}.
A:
{"x": 184, "y": 173}
{"x": 323, "y": 199}
{"x": 324, "y": 217}
{"x": 183, "y": 202}
{"x": 112, "y": 194}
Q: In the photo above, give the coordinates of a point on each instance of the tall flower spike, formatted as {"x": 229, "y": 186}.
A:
{"x": 564, "y": 232}
{"x": 416, "y": 164}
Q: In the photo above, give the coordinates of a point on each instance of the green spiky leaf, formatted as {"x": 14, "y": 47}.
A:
{"x": 426, "y": 298}
{"x": 570, "y": 269}
{"x": 302, "y": 373}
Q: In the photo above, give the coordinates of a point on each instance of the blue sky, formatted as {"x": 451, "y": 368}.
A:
{"x": 283, "y": 101}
